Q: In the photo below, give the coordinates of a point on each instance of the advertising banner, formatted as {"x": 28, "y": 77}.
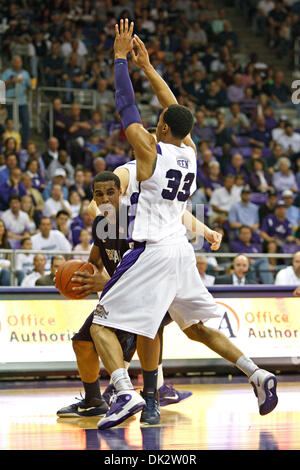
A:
{"x": 41, "y": 330}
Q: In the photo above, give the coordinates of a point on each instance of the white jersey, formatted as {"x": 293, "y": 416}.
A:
{"x": 157, "y": 204}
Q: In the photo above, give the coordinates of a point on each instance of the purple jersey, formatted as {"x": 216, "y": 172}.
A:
{"x": 240, "y": 247}
{"x": 276, "y": 228}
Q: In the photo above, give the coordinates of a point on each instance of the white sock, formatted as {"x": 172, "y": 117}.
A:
{"x": 126, "y": 364}
{"x": 121, "y": 380}
{"x": 246, "y": 365}
{"x": 160, "y": 376}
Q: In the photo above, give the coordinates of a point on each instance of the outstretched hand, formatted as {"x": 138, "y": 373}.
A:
{"x": 140, "y": 58}
{"x": 123, "y": 40}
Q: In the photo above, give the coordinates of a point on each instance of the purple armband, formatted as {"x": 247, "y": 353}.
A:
{"x": 125, "y": 100}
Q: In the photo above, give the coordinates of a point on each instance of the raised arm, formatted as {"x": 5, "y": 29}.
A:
{"x": 143, "y": 142}
{"x": 165, "y": 96}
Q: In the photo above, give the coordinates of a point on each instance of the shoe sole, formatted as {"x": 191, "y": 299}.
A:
{"x": 109, "y": 424}
{"x": 81, "y": 415}
{"x": 150, "y": 422}
{"x": 270, "y": 400}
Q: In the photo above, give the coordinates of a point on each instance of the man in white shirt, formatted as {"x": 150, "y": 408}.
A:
{"x": 290, "y": 276}
{"x": 222, "y": 200}
{"x": 290, "y": 140}
{"x": 48, "y": 239}
{"x": 202, "y": 267}
{"x": 56, "y": 203}
{"x": 16, "y": 222}
{"x": 39, "y": 263}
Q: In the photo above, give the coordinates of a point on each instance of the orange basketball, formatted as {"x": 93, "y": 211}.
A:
{"x": 64, "y": 275}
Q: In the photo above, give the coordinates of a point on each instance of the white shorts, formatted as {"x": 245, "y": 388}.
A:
{"x": 151, "y": 280}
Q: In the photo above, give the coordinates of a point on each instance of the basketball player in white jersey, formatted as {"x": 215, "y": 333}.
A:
{"x": 159, "y": 274}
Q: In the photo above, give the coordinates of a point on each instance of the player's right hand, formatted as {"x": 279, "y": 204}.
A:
{"x": 89, "y": 283}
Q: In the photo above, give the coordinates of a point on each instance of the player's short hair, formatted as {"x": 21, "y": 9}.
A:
{"x": 179, "y": 119}
{"x": 106, "y": 175}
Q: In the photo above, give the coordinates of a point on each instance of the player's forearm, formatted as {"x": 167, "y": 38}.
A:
{"x": 194, "y": 225}
{"x": 159, "y": 86}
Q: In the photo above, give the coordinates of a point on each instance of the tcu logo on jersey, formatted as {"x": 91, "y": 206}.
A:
{"x": 183, "y": 163}
{"x": 100, "y": 312}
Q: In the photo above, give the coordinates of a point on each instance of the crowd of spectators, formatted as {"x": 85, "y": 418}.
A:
{"x": 248, "y": 150}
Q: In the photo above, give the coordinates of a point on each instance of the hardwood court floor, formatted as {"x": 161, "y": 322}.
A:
{"x": 216, "y": 417}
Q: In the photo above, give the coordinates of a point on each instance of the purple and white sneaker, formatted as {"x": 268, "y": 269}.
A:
{"x": 264, "y": 385}
{"x": 124, "y": 404}
{"x": 168, "y": 395}
{"x": 109, "y": 393}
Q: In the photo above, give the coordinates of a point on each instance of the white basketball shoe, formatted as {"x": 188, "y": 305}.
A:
{"x": 264, "y": 384}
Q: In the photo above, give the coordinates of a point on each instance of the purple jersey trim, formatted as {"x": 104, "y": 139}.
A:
{"x": 127, "y": 262}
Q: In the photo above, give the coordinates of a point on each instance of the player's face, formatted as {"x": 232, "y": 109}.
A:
{"x": 106, "y": 195}
{"x": 160, "y": 126}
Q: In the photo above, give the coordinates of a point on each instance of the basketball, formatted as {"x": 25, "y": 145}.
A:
{"x": 64, "y": 275}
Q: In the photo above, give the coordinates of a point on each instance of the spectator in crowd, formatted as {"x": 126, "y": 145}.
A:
{"x": 77, "y": 131}
{"x": 79, "y": 184}
{"x": 260, "y": 180}
{"x": 59, "y": 177}
{"x": 51, "y": 153}
{"x": 255, "y": 155}
{"x": 12, "y": 186}
{"x": 290, "y": 276}
{"x": 280, "y": 92}
{"x": 222, "y": 200}
{"x": 63, "y": 223}
{"x": 201, "y": 131}
{"x": 273, "y": 160}
{"x": 39, "y": 263}
{"x": 213, "y": 179}
{"x": 74, "y": 201}
{"x": 17, "y": 83}
{"x": 27, "y": 206}
{"x": 11, "y": 161}
{"x": 63, "y": 161}
{"x": 292, "y": 212}
{"x": 259, "y": 267}
{"x": 33, "y": 169}
{"x": 24, "y": 261}
{"x": 236, "y": 167}
{"x": 284, "y": 179}
{"x": 10, "y": 147}
{"x": 59, "y": 129}
{"x": 264, "y": 7}
{"x": 53, "y": 65}
{"x": 73, "y": 76}
{"x": 236, "y": 120}
{"x": 201, "y": 264}
{"x": 105, "y": 101}
{"x": 4, "y": 258}
{"x": 276, "y": 227}
{"x": 269, "y": 206}
{"x": 289, "y": 140}
{"x": 85, "y": 239}
{"x": 206, "y": 158}
{"x": 260, "y": 136}
{"x": 84, "y": 220}
{"x": 236, "y": 91}
{"x": 30, "y": 152}
{"x": 56, "y": 203}
{"x": 48, "y": 279}
{"x": 16, "y": 221}
{"x": 240, "y": 274}
{"x": 244, "y": 212}
{"x": 11, "y": 132}
{"x": 35, "y": 194}
{"x": 49, "y": 240}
